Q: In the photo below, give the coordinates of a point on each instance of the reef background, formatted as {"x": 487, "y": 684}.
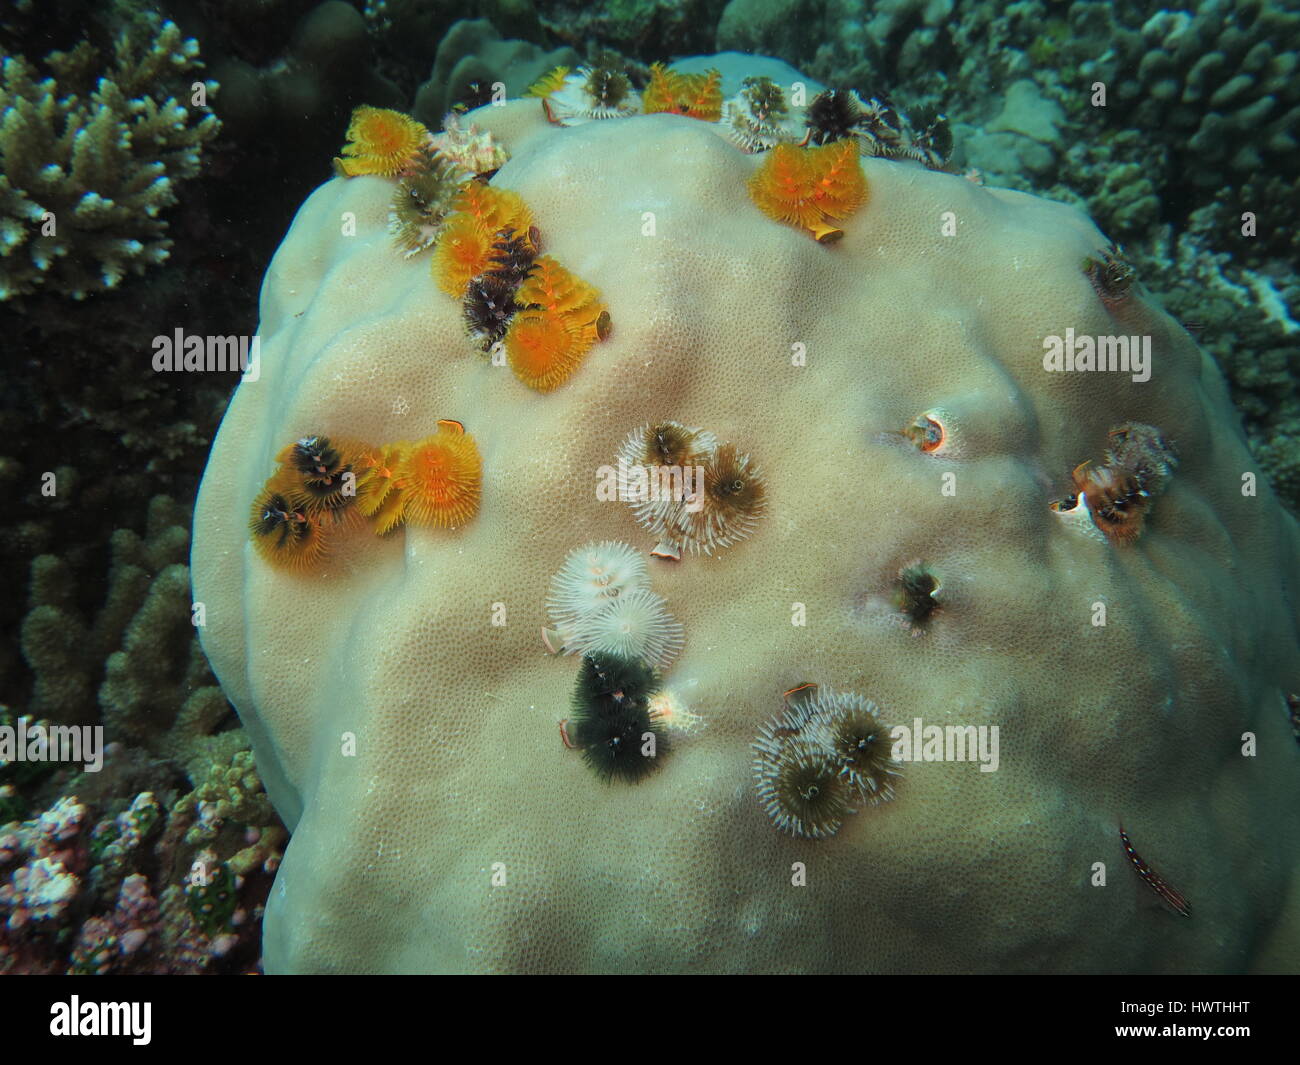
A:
{"x": 97, "y": 871}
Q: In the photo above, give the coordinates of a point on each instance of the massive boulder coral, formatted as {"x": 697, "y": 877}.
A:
{"x": 474, "y": 53}
{"x": 919, "y": 548}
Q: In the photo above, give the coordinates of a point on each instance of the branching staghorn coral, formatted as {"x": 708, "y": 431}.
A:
{"x": 90, "y": 156}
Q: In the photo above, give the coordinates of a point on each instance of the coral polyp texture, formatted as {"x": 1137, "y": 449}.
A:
{"x": 892, "y": 387}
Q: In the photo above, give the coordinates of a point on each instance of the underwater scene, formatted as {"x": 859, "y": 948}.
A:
{"x": 649, "y": 486}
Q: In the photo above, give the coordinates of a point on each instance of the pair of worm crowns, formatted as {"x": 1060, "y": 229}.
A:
{"x": 324, "y": 485}
{"x": 488, "y": 255}
{"x": 621, "y": 737}
{"x": 1110, "y": 500}
{"x": 689, "y": 490}
{"x": 810, "y": 188}
{"x": 822, "y": 758}
{"x": 1113, "y": 499}
{"x": 487, "y": 251}
{"x": 877, "y": 128}
{"x": 600, "y": 602}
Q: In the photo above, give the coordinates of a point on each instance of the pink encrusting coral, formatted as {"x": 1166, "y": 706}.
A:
{"x": 41, "y": 889}
{"x": 47, "y": 883}
{"x": 92, "y": 891}
{"x": 125, "y": 932}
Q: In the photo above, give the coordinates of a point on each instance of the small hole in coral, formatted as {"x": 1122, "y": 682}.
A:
{"x": 916, "y": 594}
